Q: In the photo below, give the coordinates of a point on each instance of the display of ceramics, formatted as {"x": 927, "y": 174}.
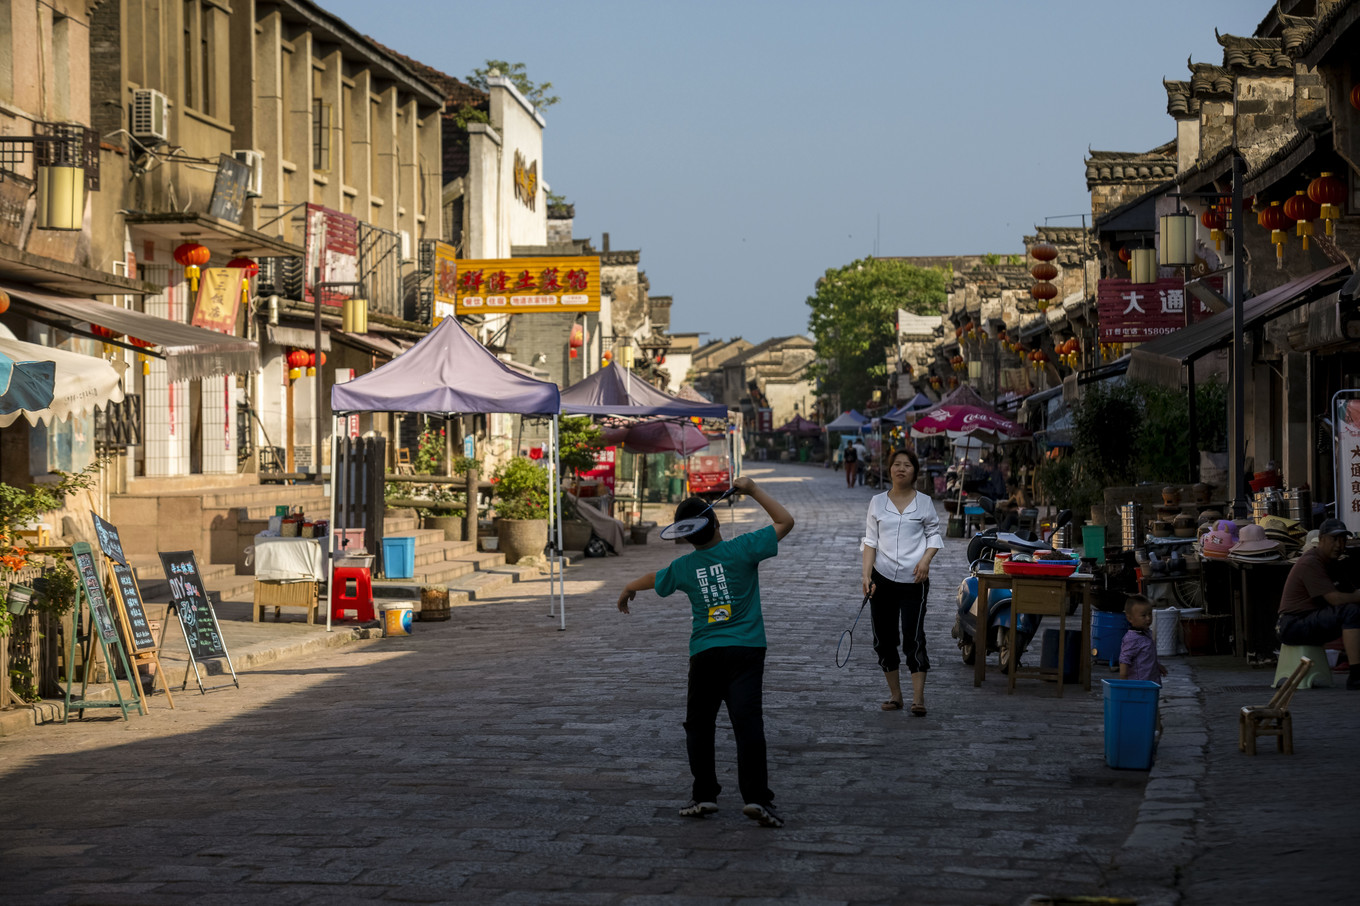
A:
{"x": 1171, "y": 496}
{"x": 1161, "y": 529}
{"x": 1201, "y": 492}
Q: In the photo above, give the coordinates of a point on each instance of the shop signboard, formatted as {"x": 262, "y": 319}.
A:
{"x": 603, "y": 472}
{"x": 332, "y": 244}
{"x": 1346, "y": 418}
{"x": 518, "y": 286}
{"x": 764, "y": 420}
{"x": 445, "y": 281}
{"x": 1137, "y": 312}
{"x": 219, "y": 296}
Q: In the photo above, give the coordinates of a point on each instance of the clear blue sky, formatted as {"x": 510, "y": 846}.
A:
{"x": 746, "y": 147}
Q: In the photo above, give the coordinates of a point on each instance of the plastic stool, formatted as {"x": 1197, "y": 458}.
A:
{"x": 360, "y": 601}
{"x": 1318, "y": 675}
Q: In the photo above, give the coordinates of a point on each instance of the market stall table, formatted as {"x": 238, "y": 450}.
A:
{"x": 1042, "y": 596}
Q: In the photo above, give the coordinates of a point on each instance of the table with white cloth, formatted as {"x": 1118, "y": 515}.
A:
{"x": 288, "y": 573}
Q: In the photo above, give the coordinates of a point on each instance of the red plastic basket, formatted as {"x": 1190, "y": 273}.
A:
{"x": 1040, "y": 568}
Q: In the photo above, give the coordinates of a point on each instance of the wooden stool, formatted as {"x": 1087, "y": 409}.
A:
{"x": 1290, "y": 655}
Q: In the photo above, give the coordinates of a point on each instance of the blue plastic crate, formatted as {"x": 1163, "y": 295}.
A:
{"x": 1130, "y": 723}
{"x": 399, "y": 557}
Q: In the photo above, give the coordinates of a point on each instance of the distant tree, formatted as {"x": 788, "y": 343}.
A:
{"x": 537, "y": 94}
{"x": 853, "y": 313}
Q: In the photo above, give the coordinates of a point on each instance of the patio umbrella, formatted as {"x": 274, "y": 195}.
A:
{"x": 26, "y": 385}
{"x": 664, "y": 437}
{"x": 965, "y": 421}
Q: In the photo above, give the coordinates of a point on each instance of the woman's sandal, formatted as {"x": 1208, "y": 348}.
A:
{"x": 917, "y": 710}
{"x": 891, "y": 705}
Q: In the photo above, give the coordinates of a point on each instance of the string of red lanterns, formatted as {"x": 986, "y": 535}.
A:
{"x": 1043, "y": 291}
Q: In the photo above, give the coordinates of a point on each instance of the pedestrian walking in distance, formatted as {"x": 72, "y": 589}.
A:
{"x": 901, "y": 536}
{"x": 851, "y": 457}
{"x": 721, "y": 578}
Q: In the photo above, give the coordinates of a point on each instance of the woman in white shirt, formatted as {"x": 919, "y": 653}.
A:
{"x": 901, "y": 536}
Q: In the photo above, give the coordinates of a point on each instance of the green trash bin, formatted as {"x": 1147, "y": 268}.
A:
{"x": 677, "y": 489}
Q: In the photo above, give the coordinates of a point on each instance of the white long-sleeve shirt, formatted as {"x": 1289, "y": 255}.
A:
{"x": 901, "y": 538}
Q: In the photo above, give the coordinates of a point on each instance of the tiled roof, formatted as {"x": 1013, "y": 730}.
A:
{"x": 772, "y": 343}
{"x": 1253, "y": 53}
{"x": 1321, "y": 26}
{"x": 1159, "y": 165}
{"x": 1208, "y": 79}
{"x": 1180, "y": 100}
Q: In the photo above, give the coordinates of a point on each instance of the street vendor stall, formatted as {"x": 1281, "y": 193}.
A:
{"x": 1041, "y": 595}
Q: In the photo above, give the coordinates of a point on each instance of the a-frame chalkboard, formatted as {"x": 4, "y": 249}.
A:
{"x": 100, "y": 630}
{"x": 202, "y": 633}
{"x": 144, "y": 647}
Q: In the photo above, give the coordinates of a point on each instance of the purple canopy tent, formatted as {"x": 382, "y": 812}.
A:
{"x": 450, "y": 373}
{"x": 614, "y": 390}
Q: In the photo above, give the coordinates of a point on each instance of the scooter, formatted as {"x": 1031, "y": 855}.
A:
{"x": 995, "y": 632}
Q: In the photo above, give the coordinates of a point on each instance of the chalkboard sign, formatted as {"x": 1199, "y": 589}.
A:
{"x": 142, "y": 637}
{"x": 109, "y": 542}
{"x": 94, "y": 591}
{"x": 192, "y": 604}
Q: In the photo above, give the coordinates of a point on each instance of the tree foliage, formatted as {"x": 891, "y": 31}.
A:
{"x": 536, "y": 93}
{"x": 579, "y": 439}
{"x": 853, "y": 313}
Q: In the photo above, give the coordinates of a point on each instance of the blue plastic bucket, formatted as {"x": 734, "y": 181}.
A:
{"x": 399, "y": 557}
{"x": 1107, "y": 635}
{"x": 1071, "y": 657}
{"x": 1130, "y": 723}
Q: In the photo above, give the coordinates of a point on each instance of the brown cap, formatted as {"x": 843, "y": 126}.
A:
{"x": 1333, "y": 527}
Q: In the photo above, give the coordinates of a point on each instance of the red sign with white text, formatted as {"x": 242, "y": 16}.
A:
{"x": 1137, "y": 312}
{"x": 604, "y": 468}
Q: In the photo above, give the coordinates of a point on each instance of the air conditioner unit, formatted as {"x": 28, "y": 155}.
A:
{"x": 150, "y": 115}
{"x": 255, "y": 161}
{"x": 405, "y": 246}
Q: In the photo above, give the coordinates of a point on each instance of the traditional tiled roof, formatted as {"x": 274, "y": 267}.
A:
{"x": 1208, "y": 79}
{"x": 1180, "y": 100}
{"x": 1252, "y": 53}
{"x": 1156, "y": 165}
{"x": 1321, "y": 25}
{"x": 766, "y": 346}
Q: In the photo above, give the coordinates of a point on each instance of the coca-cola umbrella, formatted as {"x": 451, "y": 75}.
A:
{"x": 957, "y": 422}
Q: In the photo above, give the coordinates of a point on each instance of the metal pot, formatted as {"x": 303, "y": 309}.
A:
{"x": 1297, "y": 504}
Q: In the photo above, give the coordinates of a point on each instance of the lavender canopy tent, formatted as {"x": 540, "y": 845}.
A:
{"x": 449, "y": 373}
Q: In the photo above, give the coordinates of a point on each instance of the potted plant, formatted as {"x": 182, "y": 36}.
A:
{"x": 521, "y": 497}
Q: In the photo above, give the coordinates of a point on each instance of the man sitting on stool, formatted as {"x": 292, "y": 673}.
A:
{"x": 1313, "y": 608}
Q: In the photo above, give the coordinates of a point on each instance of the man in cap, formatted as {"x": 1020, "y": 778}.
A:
{"x": 1314, "y": 607}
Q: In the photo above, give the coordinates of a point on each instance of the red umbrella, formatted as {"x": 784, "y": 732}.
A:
{"x": 963, "y": 421}
{"x": 665, "y": 437}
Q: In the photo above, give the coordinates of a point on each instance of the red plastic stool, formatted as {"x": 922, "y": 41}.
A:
{"x": 360, "y": 600}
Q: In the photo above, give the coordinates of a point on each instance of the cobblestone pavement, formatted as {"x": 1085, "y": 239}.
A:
{"x": 494, "y": 759}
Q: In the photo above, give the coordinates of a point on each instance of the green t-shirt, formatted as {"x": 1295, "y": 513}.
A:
{"x": 723, "y": 585}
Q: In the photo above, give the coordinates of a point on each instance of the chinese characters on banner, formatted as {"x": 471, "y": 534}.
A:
{"x": 219, "y": 294}
{"x": 764, "y": 420}
{"x": 1137, "y": 312}
{"x": 1347, "y": 421}
{"x": 604, "y": 469}
{"x": 445, "y": 281}
{"x": 519, "y": 285}
{"x": 332, "y": 244}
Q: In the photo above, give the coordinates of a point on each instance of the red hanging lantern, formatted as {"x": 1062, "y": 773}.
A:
{"x": 251, "y": 269}
{"x": 104, "y": 333}
{"x": 4, "y": 301}
{"x": 1328, "y": 191}
{"x": 1044, "y": 251}
{"x": 1042, "y": 293}
{"x": 1302, "y": 210}
{"x": 1212, "y": 221}
{"x": 1125, "y": 255}
{"x": 1044, "y": 270}
{"x": 311, "y": 364}
{"x": 1273, "y": 218}
{"x": 297, "y": 358}
{"x": 578, "y": 337}
{"x": 192, "y": 256}
{"x": 1355, "y": 97}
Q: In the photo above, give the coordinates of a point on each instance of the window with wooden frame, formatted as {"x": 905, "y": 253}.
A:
{"x": 321, "y": 135}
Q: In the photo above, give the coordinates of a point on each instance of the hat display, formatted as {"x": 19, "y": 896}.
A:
{"x": 1215, "y": 545}
{"x": 1227, "y": 526}
{"x": 1333, "y": 527}
{"x": 1254, "y": 545}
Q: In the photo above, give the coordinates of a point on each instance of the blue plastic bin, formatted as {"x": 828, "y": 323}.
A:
{"x": 1130, "y": 723}
{"x": 1071, "y": 657}
{"x": 399, "y": 558}
{"x": 1108, "y": 631}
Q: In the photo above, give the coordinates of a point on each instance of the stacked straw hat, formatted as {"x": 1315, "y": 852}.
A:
{"x": 1253, "y": 545}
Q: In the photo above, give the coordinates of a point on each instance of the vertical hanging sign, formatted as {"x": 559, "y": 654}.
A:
{"x": 1346, "y": 418}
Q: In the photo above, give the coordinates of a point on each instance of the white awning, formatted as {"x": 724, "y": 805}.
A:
{"x": 80, "y": 383}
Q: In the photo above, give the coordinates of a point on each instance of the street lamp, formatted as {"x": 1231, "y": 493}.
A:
{"x": 317, "y": 287}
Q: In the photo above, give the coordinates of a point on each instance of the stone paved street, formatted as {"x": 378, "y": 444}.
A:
{"x": 493, "y": 759}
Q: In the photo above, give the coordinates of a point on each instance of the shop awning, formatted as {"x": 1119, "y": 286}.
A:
{"x": 372, "y": 343}
{"x": 19, "y": 266}
{"x": 189, "y": 352}
{"x": 65, "y": 383}
{"x": 298, "y": 337}
{"x": 1162, "y": 360}
{"x": 222, "y": 237}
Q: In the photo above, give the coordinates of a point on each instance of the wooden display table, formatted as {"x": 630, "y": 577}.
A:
{"x": 1041, "y": 596}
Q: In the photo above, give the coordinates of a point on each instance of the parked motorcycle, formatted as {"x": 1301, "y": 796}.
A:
{"x": 994, "y": 634}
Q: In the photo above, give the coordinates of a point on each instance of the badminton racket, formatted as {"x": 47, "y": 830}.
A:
{"x": 686, "y": 527}
{"x": 847, "y": 642}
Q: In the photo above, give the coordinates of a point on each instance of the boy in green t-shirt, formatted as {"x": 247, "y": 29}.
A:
{"x": 726, "y": 648}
